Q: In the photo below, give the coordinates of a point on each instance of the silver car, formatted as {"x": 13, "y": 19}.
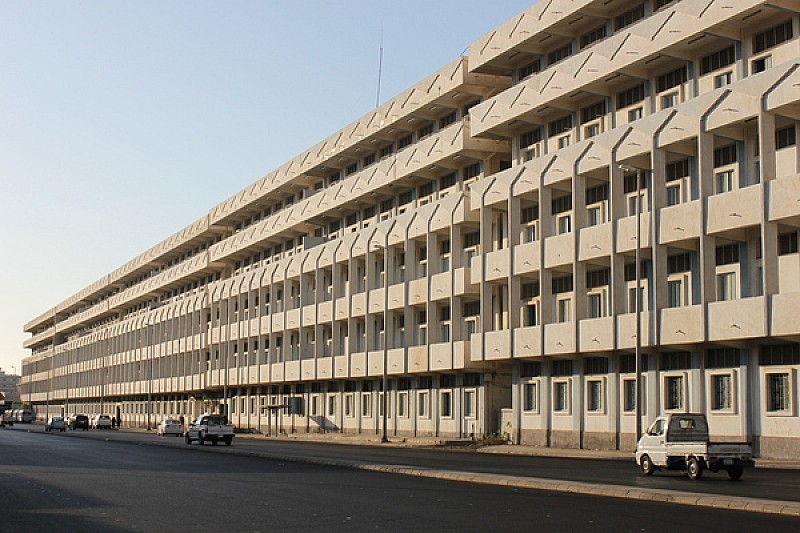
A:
{"x": 55, "y": 423}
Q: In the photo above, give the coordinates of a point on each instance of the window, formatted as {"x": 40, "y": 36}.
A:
{"x": 405, "y": 141}
{"x": 422, "y": 405}
{"x": 595, "y": 395}
{"x": 772, "y": 37}
{"x": 727, "y": 255}
{"x": 778, "y": 392}
{"x": 722, "y": 392}
{"x": 629, "y": 17}
{"x": 725, "y": 155}
{"x": 472, "y": 172}
{"x": 591, "y": 130}
{"x": 448, "y": 181}
{"x": 669, "y": 100}
{"x": 350, "y": 169}
{"x": 675, "y": 290}
{"x": 531, "y": 395}
{"x": 671, "y": 79}
{"x": 559, "y": 126}
{"x": 592, "y": 36}
{"x": 447, "y": 404}
{"x": 564, "y": 309}
{"x": 779, "y": 354}
{"x": 717, "y": 60}
{"x": 593, "y": 111}
{"x": 387, "y": 150}
{"x": 785, "y": 137}
{"x": 674, "y": 393}
{"x": 348, "y": 405}
{"x": 529, "y": 144}
{"x": 366, "y": 404}
{"x": 561, "y": 396}
{"x": 724, "y": 181}
{"x": 469, "y": 404}
{"x": 529, "y": 69}
{"x": 631, "y": 96}
{"x": 721, "y": 80}
{"x": 425, "y": 131}
{"x": 787, "y": 243}
{"x": 560, "y": 53}
{"x": 448, "y": 119}
{"x": 629, "y": 390}
{"x": 635, "y": 114}
{"x": 402, "y": 404}
{"x": 761, "y": 64}
{"x": 370, "y": 159}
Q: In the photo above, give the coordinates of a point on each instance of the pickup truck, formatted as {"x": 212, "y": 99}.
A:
{"x": 209, "y": 428}
{"x": 680, "y": 442}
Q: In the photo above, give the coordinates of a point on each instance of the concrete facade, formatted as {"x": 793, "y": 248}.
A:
{"x": 474, "y": 240}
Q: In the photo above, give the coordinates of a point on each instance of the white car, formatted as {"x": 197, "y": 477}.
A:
{"x": 170, "y": 426}
{"x": 100, "y": 422}
{"x": 55, "y": 423}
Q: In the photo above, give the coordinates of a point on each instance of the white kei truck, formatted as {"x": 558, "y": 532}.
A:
{"x": 680, "y": 441}
{"x": 209, "y": 428}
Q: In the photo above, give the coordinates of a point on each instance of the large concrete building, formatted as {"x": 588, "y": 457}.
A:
{"x": 474, "y": 240}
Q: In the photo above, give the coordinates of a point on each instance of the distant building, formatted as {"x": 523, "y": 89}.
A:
{"x": 9, "y": 386}
{"x": 472, "y": 244}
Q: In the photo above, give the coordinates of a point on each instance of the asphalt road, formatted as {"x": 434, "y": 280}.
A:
{"x": 51, "y": 482}
{"x": 770, "y": 484}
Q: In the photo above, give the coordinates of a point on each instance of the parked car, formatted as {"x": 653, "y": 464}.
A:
{"x": 100, "y": 422}
{"x": 55, "y": 423}
{"x": 681, "y": 442}
{"x": 170, "y": 426}
{"x": 79, "y": 422}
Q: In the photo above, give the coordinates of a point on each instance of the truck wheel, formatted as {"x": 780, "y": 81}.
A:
{"x": 214, "y": 441}
{"x": 735, "y": 472}
{"x": 694, "y": 469}
{"x": 228, "y": 441}
{"x": 647, "y": 465}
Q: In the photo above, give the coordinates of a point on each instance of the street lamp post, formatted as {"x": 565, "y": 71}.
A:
{"x": 150, "y": 371}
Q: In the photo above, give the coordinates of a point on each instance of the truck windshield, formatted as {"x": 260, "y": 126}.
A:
{"x": 688, "y": 429}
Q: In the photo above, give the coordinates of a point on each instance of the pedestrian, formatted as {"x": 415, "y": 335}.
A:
{"x": 119, "y": 422}
{"x": 113, "y": 422}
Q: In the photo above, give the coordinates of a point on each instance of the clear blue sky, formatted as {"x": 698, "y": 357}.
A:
{"x": 123, "y": 122}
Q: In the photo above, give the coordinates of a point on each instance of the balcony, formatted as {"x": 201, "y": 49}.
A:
{"x": 441, "y": 286}
{"x": 626, "y": 233}
{"x": 441, "y": 356}
{"x": 325, "y": 367}
{"x": 626, "y": 330}
{"x": 737, "y": 319}
{"x": 559, "y": 338}
{"x": 417, "y": 359}
{"x": 397, "y": 361}
{"x": 276, "y": 371}
{"x": 375, "y": 363}
{"x": 559, "y": 250}
{"x": 680, "y": 222}
{"x": 681, "y": 325}
{"x": 783, "y": 195}
{"x": 358, "y": 364}
{"x": 325, "y": 312}
{"x": 498, "y": 265}
{"x": 376, "y": 301}
{"x": 497, "y": 345}
{"x": 359, "y": 304}
{"x": 342, "y": 308}
{"x": 731, "y": 212}
{"x": 596, "y": 334}
{"x": 308, "y": 369}
{"x": 341, "y": 365}
{"x": 784, "y": 314}
{"x": 463, "y": 283}
{"x": 309, "y": 315}
{"x": 418, "y": 291}
{"x": 528, "y": 342}
{"x": 527, "y": 258}
{"x": 594, "y": 242}
{"x": 397, "y": 296}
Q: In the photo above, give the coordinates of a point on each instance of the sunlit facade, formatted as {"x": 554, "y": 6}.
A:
{"x": 474, "y": 239}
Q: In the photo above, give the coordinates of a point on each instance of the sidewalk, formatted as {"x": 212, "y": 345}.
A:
{"x": 510, "y": 449}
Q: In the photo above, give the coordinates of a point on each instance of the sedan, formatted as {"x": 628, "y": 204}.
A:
{"x": 170, "y": 426}
{"x": 55, "y": 423}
